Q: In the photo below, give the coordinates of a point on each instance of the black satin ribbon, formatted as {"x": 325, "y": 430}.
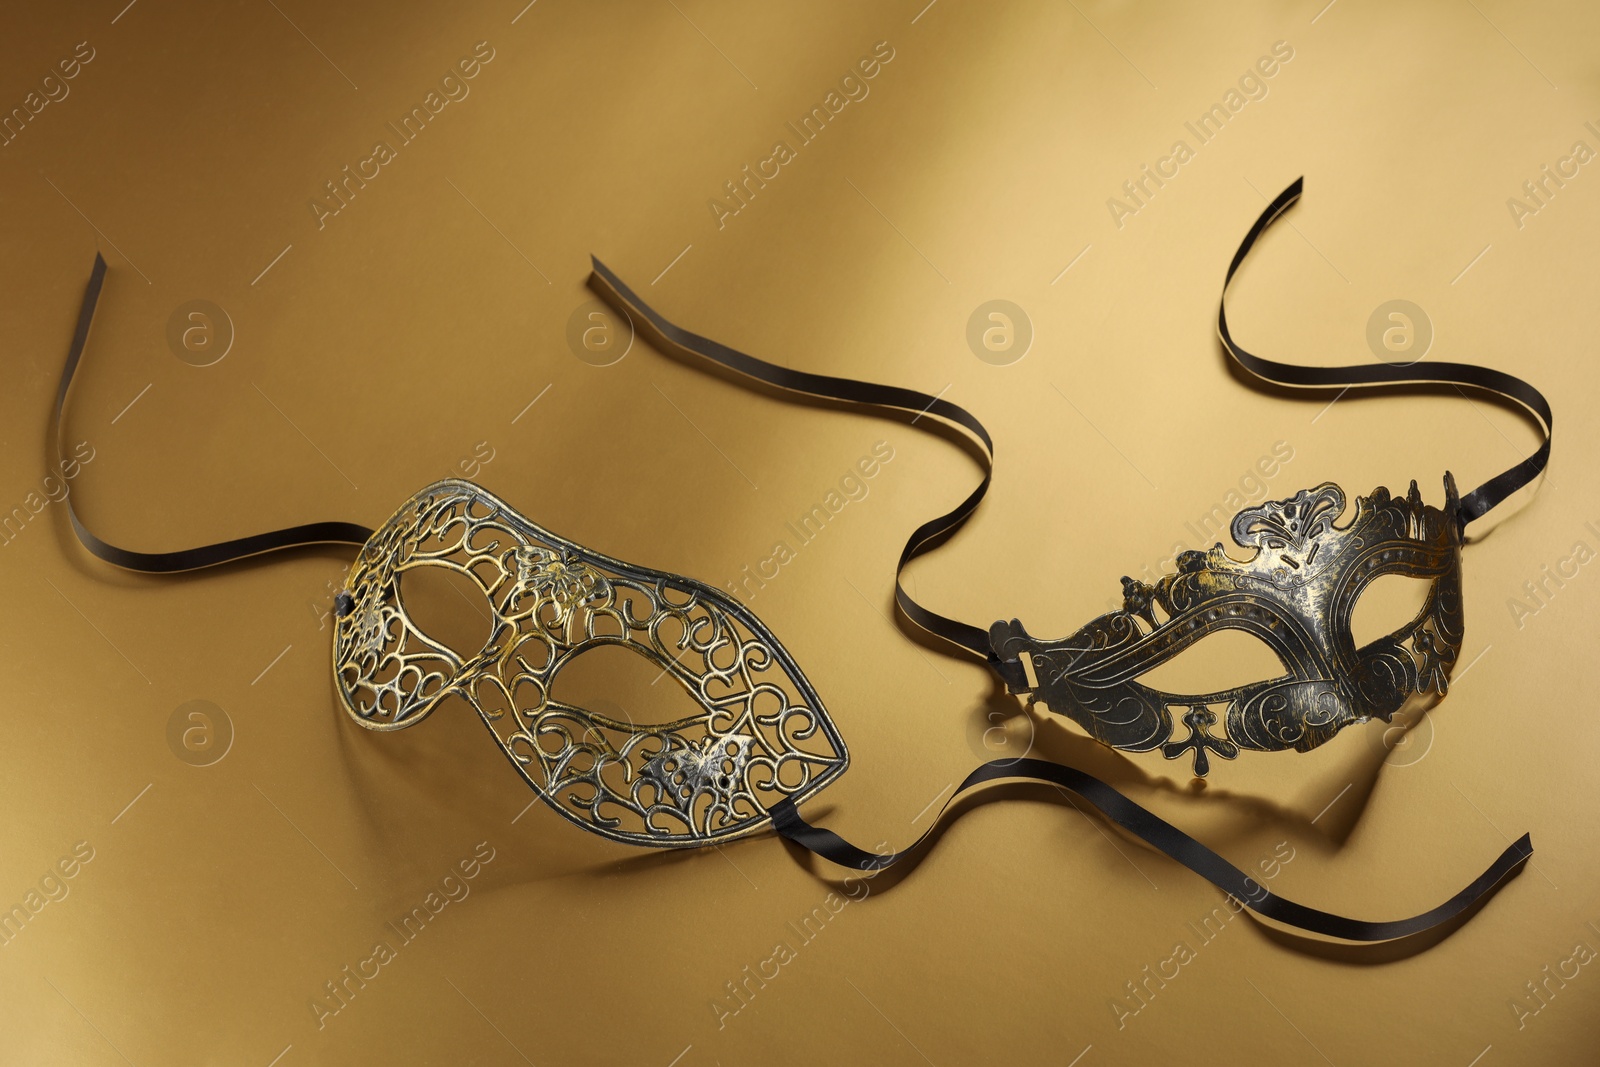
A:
{"x": 1167, "y": 838}
{"x": 188, "y": 559}
{"x": 1475, "y": 504}
{"x": 971, "y": 638}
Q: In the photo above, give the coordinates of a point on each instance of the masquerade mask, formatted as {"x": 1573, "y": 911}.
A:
{"x": 761, "y": 735}
{"x": 761, "y": 741}
{"x": 1296, "y": 593}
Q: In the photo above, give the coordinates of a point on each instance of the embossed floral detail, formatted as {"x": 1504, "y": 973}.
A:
{"x": 559, "y": 576}
{"x": 1386, "y": 674}
{"x": 1199, "y": 719}
{"x": 1435, "y": 657}
{"x": 1290, "y": 529}
{"x": 1137, "y": 598}
{"x": 716, "y": 767}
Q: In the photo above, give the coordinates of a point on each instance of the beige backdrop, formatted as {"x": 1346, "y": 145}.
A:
{"x": 374, "y": 348}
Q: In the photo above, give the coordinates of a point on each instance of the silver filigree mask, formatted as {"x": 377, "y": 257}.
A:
{"x": 760, "y": 735}
{"x": 1297, "y": 593}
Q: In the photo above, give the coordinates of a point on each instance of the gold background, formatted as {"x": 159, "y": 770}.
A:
{"x": 379, "y": 349}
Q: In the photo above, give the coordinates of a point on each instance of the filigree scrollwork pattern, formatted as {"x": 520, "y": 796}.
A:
{"x": 1296, "y": 592}
{"x": 760, "y": 736}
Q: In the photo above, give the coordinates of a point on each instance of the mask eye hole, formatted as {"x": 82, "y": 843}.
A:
{"x": 1388, "y": 605}
{"x": 620, "y": 684}
{"x": 1218, "y": 662}
{"x": 447, "y": 606}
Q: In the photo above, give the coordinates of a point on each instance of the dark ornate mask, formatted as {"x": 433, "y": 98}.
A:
{"x": 1296, "y": 593}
